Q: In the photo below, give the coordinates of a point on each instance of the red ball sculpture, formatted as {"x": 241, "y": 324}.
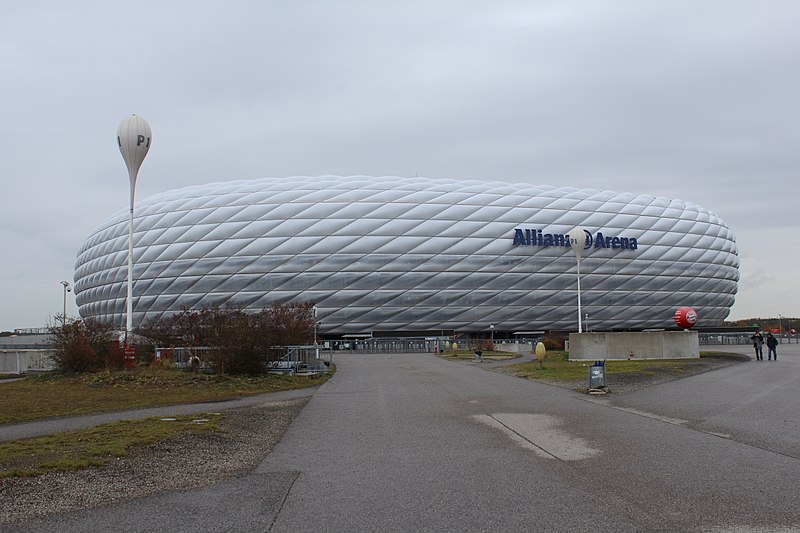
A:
{"x": 685, "y": 317}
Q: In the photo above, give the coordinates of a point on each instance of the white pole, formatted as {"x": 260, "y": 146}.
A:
{"x": 580, "y": 329}
{"x": 314, "y": 312}
{"x": 64, "y": 315}
{"x": 129, "y": 299}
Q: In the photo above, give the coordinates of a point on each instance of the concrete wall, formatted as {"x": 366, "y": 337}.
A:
{"x": 516, "y": 347}
{"x": 634, "y": 345}
{"x": 23, "y": 361}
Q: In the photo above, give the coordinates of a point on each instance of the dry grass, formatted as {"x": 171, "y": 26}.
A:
{"x": 485, "y": 354}
{"x": 557, "y": 368}
{"x": 51, "y": 395}
{"x": 95, "y": 446}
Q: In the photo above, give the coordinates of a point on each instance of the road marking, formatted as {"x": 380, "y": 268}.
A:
{"x": 540, "y": 434}
{"x": 754, "y": 529}
{"x": 660, "y": 418}
{"x": 667, "y": 419}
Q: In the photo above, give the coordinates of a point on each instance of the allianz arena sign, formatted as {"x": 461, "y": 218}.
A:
{"x": 533, "y": 237}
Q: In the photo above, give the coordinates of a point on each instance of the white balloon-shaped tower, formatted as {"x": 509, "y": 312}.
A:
{"x": 134, "y": 139}
{"x": 577, "y": 239}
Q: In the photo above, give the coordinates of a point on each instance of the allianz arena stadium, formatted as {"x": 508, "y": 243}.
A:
{"x": 388, "y": 255}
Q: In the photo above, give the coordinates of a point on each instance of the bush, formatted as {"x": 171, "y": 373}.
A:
{"x": 86, "y": 345}
{"x": 553, "y": 343}
{"x": 484, "y": 345}
{"x": 240, "y": 342}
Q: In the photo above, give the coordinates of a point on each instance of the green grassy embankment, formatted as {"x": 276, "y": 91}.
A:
{"x": 52, "y": 395}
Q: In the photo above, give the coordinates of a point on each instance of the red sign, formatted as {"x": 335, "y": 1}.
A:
{"x": 130, "y": 356}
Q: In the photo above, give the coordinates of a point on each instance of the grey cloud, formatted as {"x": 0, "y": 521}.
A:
{"x": 682, "y": 99}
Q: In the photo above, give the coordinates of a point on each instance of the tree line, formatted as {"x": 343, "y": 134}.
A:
{"x": 776, "y": 324}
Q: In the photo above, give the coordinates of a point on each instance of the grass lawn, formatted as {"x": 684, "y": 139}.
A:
{"x": 51, "y": 395}
{"x": 96, "y": 446}
{"x": 557, "y": 367}
{"x": 485, "y": 354}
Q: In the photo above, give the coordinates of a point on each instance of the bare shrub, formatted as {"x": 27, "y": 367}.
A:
{"x": 239, "y": 341}
{"x": 553, "y": 343}
{"x": 82, "y": 345}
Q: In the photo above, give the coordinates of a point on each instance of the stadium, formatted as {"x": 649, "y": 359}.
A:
{"x": 394, "y": 256}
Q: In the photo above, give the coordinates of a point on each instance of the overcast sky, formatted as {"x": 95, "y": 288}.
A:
{"x": 694, "y": 100}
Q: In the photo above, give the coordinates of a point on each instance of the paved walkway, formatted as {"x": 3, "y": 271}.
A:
{"x": 416, "y": 443}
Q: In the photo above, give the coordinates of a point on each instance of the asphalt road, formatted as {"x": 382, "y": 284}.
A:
{"x": 416, "y": 443}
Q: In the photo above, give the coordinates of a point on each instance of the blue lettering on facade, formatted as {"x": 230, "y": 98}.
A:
{"x": 537, "y": 237}
{"x": 589, "y": 240}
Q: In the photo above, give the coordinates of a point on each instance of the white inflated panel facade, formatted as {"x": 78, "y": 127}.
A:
{"x": 394, "y": 254}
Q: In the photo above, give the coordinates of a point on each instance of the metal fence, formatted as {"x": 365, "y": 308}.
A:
{"x": 306, "y": 358}
{"x": 183, "y": 356}
{"x": 422, "y": 344}
{"x": 387, "y": 345}
{"x": 381, "y": 345}
{"x": 742, "y": 338}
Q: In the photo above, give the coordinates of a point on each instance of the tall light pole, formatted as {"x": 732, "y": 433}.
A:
{"x": 491, "y": 328}
{"x": 314, "y": 313}
{"x": 64, "y": 314}
{"x": 134, "y": 138}
{"x": 577, "y": 239}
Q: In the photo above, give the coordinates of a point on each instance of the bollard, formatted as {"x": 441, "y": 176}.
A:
{"x": 541, "y": 352}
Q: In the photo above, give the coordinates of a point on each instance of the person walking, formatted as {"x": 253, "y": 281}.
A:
{"x": 758, "y": 344}
{"x": 772, "y": 347}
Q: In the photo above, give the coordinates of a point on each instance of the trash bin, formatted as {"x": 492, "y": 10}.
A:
{"x": 597, "y": 375}
{"x": 478, "y": 355}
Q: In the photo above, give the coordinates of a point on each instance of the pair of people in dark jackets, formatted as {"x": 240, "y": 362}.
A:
{"x": 758, "y": 345}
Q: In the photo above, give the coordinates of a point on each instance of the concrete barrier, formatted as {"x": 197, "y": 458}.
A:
{"x": 598, "y": 346}
{"x": 516, "y": 347}
{"x": 24, "y": 361}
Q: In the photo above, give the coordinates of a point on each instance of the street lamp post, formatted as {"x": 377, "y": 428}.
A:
{"x": 134, "y": 138}
{"x": 64, "y": 313}
{"x": 491, "y": 328}
{"x": 577, "y": 239}
{"x": 314, "y": 313}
